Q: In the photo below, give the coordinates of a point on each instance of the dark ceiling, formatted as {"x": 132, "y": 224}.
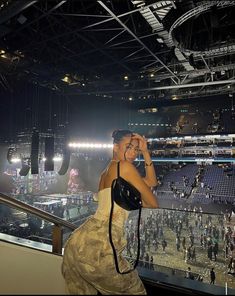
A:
{"x": 139, "y": 49}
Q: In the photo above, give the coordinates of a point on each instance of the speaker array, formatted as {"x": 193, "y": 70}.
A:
{"x": 33, "y": 161}
{"x": 65, "y": 162}
{"x": 34, "y": 152}
{"x": 49, "y": 154}
{"x": 24, "y": 169}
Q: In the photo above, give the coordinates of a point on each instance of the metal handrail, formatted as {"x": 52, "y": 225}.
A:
{"x": 58, "y": 222}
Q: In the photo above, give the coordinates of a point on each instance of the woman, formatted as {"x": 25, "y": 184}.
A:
{"x": 88, "y": 264}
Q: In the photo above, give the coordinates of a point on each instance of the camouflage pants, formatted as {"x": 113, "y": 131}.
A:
{"x": 88, "y": 264}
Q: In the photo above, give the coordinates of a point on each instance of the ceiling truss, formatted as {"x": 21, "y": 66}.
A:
{"x": 111, "y": 47}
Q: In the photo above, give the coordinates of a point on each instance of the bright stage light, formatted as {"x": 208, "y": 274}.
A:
{"x": 91, "y": 145}
{"x": 15, "y": 160}
{"x": 56, "y": 158}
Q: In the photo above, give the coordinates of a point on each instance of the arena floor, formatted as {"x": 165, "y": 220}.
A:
{"x": 175, "y": 259}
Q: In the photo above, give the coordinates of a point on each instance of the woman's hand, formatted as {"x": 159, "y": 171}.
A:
{"x": 142, "y": 142}
{"x": 150, "y": 177}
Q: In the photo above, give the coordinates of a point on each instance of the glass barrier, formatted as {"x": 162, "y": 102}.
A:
{"x": 75, "y": 208}
{"x": 186, "y": 244}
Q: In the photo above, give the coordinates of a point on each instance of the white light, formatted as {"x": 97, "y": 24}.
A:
{"x": 15, "y": 160}
{"x": 71, "y": 144}
{"x": 90, "y": 145}
{"x": 57, "y": 158}
{"x": 160, "y": 40}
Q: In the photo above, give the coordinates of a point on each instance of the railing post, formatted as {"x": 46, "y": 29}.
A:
{"x": 57, "y": 239}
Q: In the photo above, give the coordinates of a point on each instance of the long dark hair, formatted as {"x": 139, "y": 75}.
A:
{"x": 119, "y": 134}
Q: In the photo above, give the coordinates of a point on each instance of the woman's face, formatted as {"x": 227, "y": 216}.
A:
{"x": 128, "y": 149}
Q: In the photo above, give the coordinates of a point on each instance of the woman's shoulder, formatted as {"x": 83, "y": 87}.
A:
{"x": 128, "y": 171}
{"x": 126, "y": 166}
{"x": 126, "y": 163}
{"x": 112, "y": 167}
{"x": 110, "y": 172}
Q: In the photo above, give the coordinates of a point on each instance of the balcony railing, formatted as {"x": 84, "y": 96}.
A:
{"x": 58, "y": 223}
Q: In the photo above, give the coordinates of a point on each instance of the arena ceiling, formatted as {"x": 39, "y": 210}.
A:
{"x": 129, "y": 49}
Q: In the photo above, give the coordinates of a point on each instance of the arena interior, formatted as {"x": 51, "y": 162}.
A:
{"x": 73, "y": 71}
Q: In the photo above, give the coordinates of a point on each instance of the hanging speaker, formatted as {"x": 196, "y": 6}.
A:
{"x": 49, "y": 154}
{"x": 66, "y": 155}
{"x": 65, "y": 162}
{"x": 10, "y": 152}
{"x": 24, "y": 170}
{"x": 24, "y": 167}
{"x": 34, "y": 152}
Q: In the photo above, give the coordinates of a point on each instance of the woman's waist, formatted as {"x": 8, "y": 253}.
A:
{"x": 95, "y": 232}
{"x": 117, "y": 218}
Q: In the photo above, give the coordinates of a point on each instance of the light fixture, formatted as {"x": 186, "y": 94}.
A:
{"x": 66, "y": 78}
{"x": 90, "y": 145}
{"x": 160, "y": 40}
{"x": 15, "y": 160}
